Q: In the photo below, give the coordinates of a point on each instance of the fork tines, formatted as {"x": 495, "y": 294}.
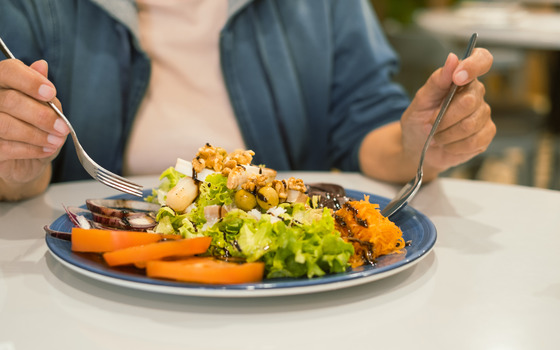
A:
{"x": 117, "y": 182}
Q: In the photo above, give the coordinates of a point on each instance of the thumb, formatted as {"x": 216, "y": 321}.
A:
{"x": 41, "y": 66}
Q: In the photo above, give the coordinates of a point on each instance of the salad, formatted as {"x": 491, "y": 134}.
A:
{"x": 251, "y": 216}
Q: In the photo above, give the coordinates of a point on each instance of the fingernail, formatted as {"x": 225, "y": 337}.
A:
{"x": 461, "y": 77}
{"x": 49, "y": 150}
{"x": 47, "y": 92}
{"x": 61, "y": 127}
{"x": 55, "y": 140}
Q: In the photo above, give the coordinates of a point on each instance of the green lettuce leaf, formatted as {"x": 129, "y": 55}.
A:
{"x": 298, "y": 246}
{"x": 168, "y": 180}
{"x": 169, "y": 222}
{"x": 213, "y": 191}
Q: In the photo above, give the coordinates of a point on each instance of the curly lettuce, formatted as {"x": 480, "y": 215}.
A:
{"x": 290, "y": 248}
{"x": 213, "y": 191}
{"x": 168, "y": 179}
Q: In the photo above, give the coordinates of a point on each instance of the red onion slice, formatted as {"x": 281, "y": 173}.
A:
{"x": 131, "y": 220}
{"x": 79, "y": 217}
{"x": 120, "y": 207}
{"x": 58, "y": 234}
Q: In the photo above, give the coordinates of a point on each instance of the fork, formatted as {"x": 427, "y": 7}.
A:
{"x": 409, "y": 190}
{"x": 95, "y": 170}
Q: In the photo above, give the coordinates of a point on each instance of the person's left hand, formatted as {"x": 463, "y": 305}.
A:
{"x": 465, "y": 130}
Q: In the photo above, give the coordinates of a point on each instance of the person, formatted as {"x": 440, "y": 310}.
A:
{"x": 305, "y": 84}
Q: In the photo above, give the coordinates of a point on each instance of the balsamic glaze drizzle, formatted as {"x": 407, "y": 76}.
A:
{"x": 367, "y": 254}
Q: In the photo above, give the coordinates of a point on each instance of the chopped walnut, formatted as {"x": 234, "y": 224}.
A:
{"x": 262, "y": 180}
{"x": 209, "y": 157}
{"x": 236, "y": 177}
{"x": 234, "y": 167}
{"x": 281, "y": 189}
{"x": 230, "y": 163}
{"x": 228, "y": 167}
{"x": 242, "y": 157}
{"x": 226, "y": 171}
{"x": 198, "y": 164}
{"x": 217, "y": 159}
{"x": 251, "y": 184}
{"x": 296, "y": 184}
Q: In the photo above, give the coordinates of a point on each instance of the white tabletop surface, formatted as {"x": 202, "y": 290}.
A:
{"x": 497, "y": 23}
{"x": 491, "y": 282}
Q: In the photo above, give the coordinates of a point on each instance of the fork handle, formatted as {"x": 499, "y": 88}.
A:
{"x": 5, "y": 49}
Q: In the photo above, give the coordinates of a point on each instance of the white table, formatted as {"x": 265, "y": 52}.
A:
{"x": 497, "y": 24}
{"x": 491, "y": 282}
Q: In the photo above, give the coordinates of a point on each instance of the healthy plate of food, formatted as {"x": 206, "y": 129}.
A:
{"x": 221, "y": 226}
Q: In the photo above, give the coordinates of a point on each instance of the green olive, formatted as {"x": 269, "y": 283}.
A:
{"x": 267, "y": 197}
{"x": 245, "y": 200}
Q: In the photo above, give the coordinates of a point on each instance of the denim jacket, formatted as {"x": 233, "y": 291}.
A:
{"x": 307, "y": 79}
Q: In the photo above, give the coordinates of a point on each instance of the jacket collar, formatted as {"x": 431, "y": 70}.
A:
{"x": 234, "y": 6}
{"x": 122, "y": 10}
{"x": 125, "y": 11}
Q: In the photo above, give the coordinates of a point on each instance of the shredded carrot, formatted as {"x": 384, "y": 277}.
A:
{"x": 371, "y": 234}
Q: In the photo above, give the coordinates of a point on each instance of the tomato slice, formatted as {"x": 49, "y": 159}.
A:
{"x": 100, "y": 241}
{"x": 154, "y": 251}
{"x": 206, "y": 270}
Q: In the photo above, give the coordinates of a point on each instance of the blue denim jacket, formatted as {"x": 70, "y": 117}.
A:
{"x": 307, "y": 79}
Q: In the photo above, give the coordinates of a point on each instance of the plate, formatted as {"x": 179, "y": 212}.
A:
{"x": 416, "y": 227}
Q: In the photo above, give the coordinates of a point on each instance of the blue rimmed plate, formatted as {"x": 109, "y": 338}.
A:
{"x": 416, "y": 227}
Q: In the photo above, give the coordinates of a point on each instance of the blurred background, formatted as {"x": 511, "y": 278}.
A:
{"x": 522, "y": 87}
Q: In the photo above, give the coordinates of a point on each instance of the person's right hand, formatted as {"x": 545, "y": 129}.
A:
{"x": 31, "y": 134}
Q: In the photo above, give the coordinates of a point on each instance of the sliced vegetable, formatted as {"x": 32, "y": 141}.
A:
{"x": 120, "y": 207}
{"x": 57, "y": 234}
{"x": 159, "y": 250}
{"x": 206, "y": 270}
{"x": 100, "y": 241}
{"x": 78, "y": 217}
{"x": 183, "y": 194}
{"x": 137, "y": 222}
{"x": 123, "y": 214}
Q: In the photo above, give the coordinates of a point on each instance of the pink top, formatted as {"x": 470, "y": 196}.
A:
{"x": 186, "y": 105}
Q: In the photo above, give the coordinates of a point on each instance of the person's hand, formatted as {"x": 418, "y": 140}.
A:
{"x": 465, "y": 130}
{"x": 31, "y": 134}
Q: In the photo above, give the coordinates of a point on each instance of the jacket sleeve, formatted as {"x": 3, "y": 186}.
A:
{"x": 363, "y": 95}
